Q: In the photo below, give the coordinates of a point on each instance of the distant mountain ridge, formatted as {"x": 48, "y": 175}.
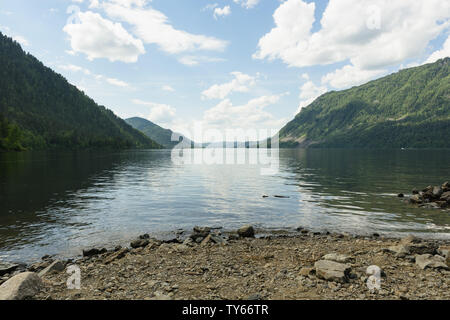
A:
{"x": 157, "y": 133}
{"x": 39, "y": 109}
{"x": 410, "y": 108}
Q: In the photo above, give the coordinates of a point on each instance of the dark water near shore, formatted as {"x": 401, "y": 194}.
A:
{"x": 59, "y": 202}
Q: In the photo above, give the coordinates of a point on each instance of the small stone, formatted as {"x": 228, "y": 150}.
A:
{"x": 306, "y": 271}
{"x": 409, "y": 240}
{"x": 54, "y": 267}
{"x": 206, "y": 240}
{"x": 437, "y": 192}
{"x": 399, "y": 250}
{"x": 445, "y": 186}
{"x": 204, "y": 230}
{"x": 7, "y": 268}
{"x": 200, "y": 233}
{"x": 39, "y": 266}
{"x": 332, "y": 271}
{"x": 93, "y": 252}
{"x": 425, "y": 261}
{"x": 161, "y": 296}
{"x": 444, "y": 251}
{"x": 139, "y": 243}
{"x": 416, "y": 198}
{"x": 188, "y": 242}
{"x": 218, "y": 239}
{"x": 246, "y": 232}
{"x": 445, "y": 197}
{"x": 254, "y": 297}
{"x": 116, "y": 256}
{"x": 341, "y": 258}
{"x": 23, "y": 286}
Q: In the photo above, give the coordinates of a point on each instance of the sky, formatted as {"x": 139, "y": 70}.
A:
{"x": 224, "y": 64}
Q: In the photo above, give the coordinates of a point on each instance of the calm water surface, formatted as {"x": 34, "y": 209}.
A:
{"x": 59, "y": 202}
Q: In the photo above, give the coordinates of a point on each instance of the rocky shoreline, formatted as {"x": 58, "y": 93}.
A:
{"x": 432, "y": 197}
{"x": 209, "y": 264}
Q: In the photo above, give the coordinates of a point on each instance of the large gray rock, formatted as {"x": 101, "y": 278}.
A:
{"x": 332, "y": 271}
{"x": 54, "y": 267}
{"x": 116, "y": 255}
{"x": 425, "y": 261}
{"x": 437, "y": 192}
{"x": 412, "y": 245}
{"x": 445, "y": 186}
{"x": 416, "y": 198}
{"x": 204, "y": 230}
{"x": 444, "y": 251}
{"x": 400, "y": 250}
{"x": 423, "y": 248}
{"x": 246, "y": 232}
{"x": 139, "y": 243}
{"x": 23, "y": 286}
{"x": 200, "y": 233}
{"x": 408, "y": 240}
{"x": 445, "y": 196}
{"x": 93, "y": 252}
{"x": 337, "y": 257}
{"x": 6, "y": 267}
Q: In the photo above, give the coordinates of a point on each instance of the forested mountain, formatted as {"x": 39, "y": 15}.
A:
{"x": 410, "y": 108}
{"x": 156, "y": 133}
{"x": 39, "y": 109}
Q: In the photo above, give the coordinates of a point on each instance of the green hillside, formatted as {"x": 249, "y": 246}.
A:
{"x": 155, "y": 132}
{"x": 407, "y": 109}
{"x": 39, "y": 109}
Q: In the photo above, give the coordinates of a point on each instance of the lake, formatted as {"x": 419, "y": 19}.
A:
{"x": 60, "y": 202}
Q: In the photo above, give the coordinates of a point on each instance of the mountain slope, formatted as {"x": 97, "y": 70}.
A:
{"x": 155, "y": 132}
{"x": 410, "y": 108}
{"x": 39, "y": 109}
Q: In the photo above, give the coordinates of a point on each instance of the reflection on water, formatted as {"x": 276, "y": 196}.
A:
{"x": 57, "y": 202}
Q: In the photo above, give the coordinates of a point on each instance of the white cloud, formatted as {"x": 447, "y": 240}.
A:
{"x": 309, "y": 92}
{"x": 74, "y": 68}
{"x": 439, "y": 54}
{"x": 251, "y": 115}
{"x": 196, "y": 60}
{"x": 101, "y": 38}
{"x": 112, "y": 81}
{"x": 153, "y": 27}
{"x": 159, "y": 113}
{"x": 349, "y": 76}
{"x": 210, "y": 6}
{"x": 373, "y": 36}
{"x": 222, "y": 12}
{"x": 116, "y": 82}
{"x": 247, "y": 3}
{"x": 94, "y": 4}
{"x": 22, "y": 40}
{"x": 241, "y": 83}
{"x": 168, "y": 88}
